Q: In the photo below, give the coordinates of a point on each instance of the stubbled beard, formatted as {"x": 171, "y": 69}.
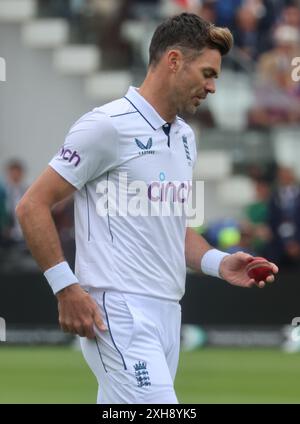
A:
{"x": 189, "y": 108}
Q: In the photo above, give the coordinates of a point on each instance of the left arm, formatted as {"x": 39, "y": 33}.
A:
{"x": 232, "y": 268}
{"x": 195, "y": 247}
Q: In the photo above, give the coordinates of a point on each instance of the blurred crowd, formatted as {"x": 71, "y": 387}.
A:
{"x": 266, "y": 32}
{"x": 11, "y": 190}
{"x": 13, "y": 249}
{"x": 270, "y": 225}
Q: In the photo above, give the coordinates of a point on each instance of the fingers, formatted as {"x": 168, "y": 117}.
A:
{"x": 76, "y": 328}
{"x": 274, "y": 268}
{"x": 79, "y": 314}
{"x": 99, "y": 322}
{"x": 245, "y": 257}
{"x": 249, "y": 258}
{"x": 89, "y": 330}
{"x": 262, "y": 284}
{"x": 83, "y": 328}
{"x": 251, "y": 283}
{"x": 270, "y": 279}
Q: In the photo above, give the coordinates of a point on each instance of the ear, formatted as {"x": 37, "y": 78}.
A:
{"x": 174, "y": 58}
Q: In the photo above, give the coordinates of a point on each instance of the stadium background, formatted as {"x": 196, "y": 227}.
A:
{"x": 64, "y": 58}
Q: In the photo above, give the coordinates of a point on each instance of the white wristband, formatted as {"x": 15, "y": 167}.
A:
{"x": 210, "y": 262}
{"x": 60, "y": 276}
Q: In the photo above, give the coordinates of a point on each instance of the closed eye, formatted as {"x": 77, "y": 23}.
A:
{"x": 210, "y": 74}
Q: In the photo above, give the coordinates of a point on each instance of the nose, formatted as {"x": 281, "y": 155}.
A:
{"x": 211, "y": 86}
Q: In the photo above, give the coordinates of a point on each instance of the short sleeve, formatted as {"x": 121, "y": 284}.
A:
{"x": 91, "y": 148}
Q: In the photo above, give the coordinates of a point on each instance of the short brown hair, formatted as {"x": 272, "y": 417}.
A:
{"x": 188, "y": 31}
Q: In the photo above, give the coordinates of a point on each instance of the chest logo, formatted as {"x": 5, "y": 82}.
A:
{"x": 141, "y": 374}
{"x": 145, "y": 149}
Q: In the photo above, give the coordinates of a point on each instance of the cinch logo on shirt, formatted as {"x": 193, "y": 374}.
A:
{"x": 70, "y": 156}
{"x": 145, "y": 149}
{"x": 134, "y": 198}
{"x": 169, "y": 191}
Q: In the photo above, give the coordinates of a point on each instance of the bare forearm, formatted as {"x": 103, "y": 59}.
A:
{"x": 195, "y": 247}
{"x": 40, "y": 234}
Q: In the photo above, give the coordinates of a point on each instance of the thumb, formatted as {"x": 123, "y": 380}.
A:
{"x": 245, "y": 257}
{"x": 99, "y": 322}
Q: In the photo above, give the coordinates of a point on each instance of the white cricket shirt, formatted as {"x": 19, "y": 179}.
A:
{"x": 129, "y": 252}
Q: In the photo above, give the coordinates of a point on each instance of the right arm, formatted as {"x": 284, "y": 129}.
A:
{"x": 78, "y": 312}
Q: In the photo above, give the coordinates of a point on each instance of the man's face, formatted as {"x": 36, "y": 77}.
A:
{"x": 195, "y": 79}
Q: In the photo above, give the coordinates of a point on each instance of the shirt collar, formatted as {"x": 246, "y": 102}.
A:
{"x": 144, "y": 108}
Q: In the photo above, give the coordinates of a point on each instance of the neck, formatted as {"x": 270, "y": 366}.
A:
{"x": 156, "y": 91}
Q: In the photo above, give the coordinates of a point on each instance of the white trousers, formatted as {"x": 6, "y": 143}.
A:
{"x": 135, "y": 360}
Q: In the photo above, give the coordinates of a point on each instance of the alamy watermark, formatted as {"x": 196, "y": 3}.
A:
{"x": 2, "y": 330}
{"x": 121, "y": 197}
{"x": 296, "y": 71}
{"x": 2, "y": 69}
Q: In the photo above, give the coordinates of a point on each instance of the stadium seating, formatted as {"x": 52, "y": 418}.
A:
{"x": 17, "y": 11}
{"x": 45, "y": 33}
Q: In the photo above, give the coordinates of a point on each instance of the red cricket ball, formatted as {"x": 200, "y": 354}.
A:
{"x": 259, "y": 269}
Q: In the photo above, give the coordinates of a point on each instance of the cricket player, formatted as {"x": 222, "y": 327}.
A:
{"x": 123, "y": 300}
